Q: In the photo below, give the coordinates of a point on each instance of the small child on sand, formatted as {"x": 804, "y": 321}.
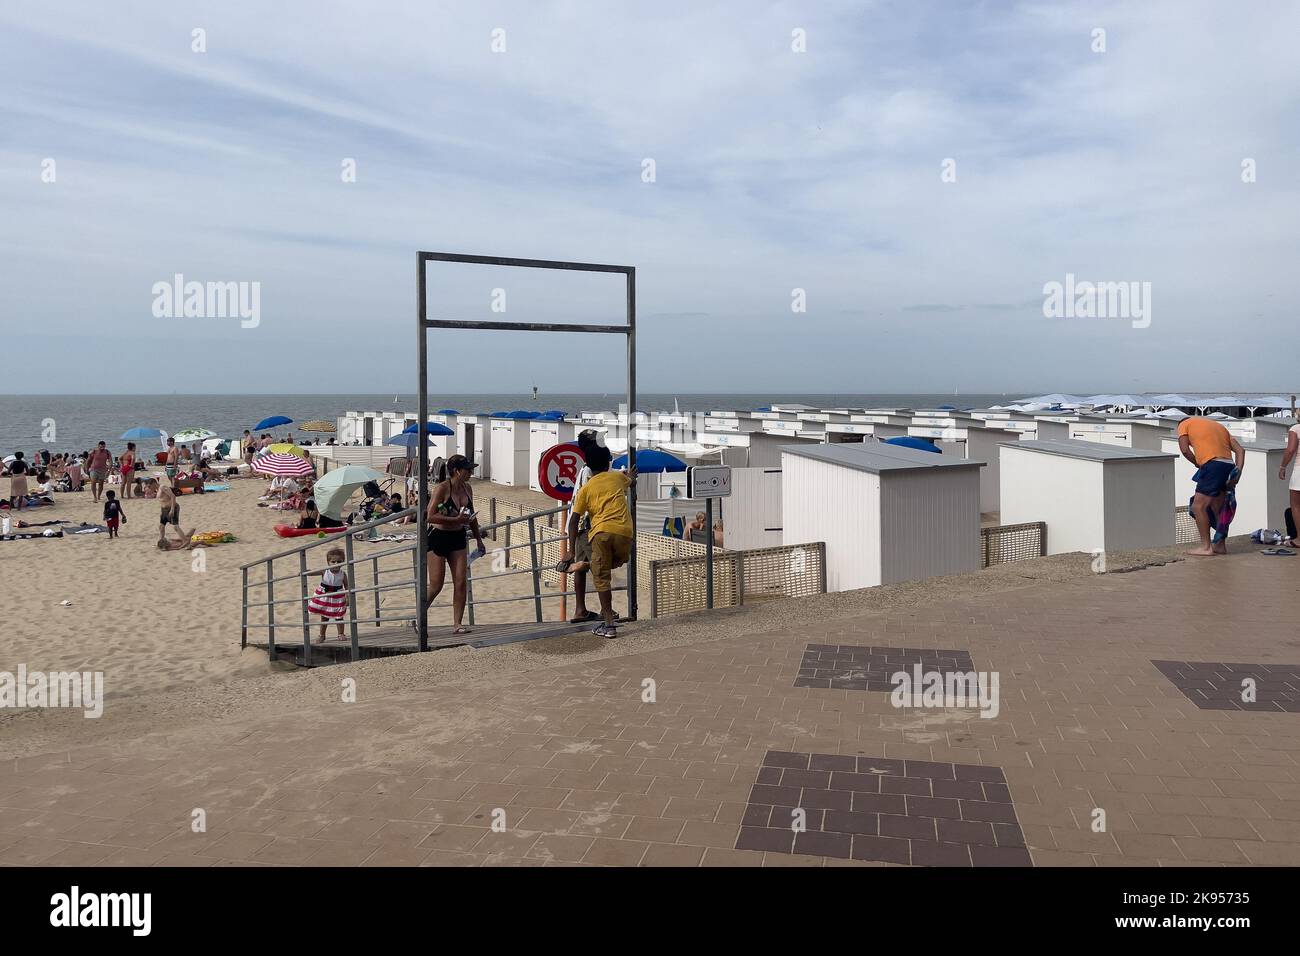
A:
{"x": 113, "y": 513}
{"x": 330, "y": 599}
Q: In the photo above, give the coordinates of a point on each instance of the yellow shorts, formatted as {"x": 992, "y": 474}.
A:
{"x": 608, "y": 551}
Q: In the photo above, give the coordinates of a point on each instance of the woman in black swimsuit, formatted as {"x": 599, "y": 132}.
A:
{"x": 451, "y": 514}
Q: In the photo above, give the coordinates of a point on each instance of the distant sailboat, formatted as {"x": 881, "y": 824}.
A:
{"x": 395, "y": 400}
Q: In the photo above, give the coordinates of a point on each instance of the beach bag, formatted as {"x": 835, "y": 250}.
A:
{"x": 1266, "y": 536}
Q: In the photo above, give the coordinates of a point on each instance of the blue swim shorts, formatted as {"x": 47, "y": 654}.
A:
{"x": 1212, "y": 477}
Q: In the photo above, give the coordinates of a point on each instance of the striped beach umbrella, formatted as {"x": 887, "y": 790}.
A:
{"x": 318, "y": 425}
{"x": 282, "y": 466}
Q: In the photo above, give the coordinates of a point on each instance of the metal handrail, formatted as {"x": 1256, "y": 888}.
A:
{"x": 356, "y": 591}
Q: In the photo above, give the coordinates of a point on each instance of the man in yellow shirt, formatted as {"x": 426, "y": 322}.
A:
{"x": 604, "y": 498}
{"x": 1219, "y": 460}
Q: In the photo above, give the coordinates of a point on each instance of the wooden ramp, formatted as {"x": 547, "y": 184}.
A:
{"x": 387, "y": 641}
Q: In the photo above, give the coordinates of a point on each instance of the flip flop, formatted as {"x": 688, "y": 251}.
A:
{"x": 590, "y": 616}
{"x": 562, "y": 567}
{"x": 1278, "y": 552}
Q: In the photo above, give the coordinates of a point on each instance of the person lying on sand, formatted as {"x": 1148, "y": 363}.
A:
{"x": 180, "y": 545}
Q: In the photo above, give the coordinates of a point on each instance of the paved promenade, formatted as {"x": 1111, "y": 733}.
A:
{"x": 1121, "y": 738}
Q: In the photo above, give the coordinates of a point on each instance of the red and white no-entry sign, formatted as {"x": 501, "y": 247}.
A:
{"x": 557, "y": 470}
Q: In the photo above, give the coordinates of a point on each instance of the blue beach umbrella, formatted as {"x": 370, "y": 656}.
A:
{"x": 911, "y": 441}
{"x": 446, "y": 411}
{"x": 135, "y": 434}
{"x": 430, "y": 428}
{"x": 652, "y": 461}
{"x": 407, "y": 440}
{"x": 275, "y": 421}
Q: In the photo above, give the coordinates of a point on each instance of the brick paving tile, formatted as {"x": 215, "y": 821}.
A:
{"x": 1116, "y": 694}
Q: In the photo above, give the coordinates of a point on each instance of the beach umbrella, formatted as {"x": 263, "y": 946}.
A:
{"x": 187, "y": 435}
{"x": 282, "y": 466}
{"x": 332, "y": 492}
{"x": 430, "y": 428}
{"x": 135, "y": 434}
{"x": 910, "y": 441}
{"x": 318, "y": 425}
{"x": 446, "y": 411}
{"x": 407, "y": 440}
{"x": 284, "y": 448}
{"x": 275, "y": 421}
{"x": 652, "y": 461}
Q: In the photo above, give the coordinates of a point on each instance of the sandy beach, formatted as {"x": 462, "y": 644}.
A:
{"x": 149, "y": 619}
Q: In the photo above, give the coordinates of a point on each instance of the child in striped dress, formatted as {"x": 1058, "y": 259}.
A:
{"x": 330, "y": 599}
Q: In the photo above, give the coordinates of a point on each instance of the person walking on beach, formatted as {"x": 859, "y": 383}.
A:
{"x": 170, "y": 513}
{"x": 1219, "y": 460}
{"x": 100, "y": 460}
{"x": 604, "y": 499}
{"x": 113, "y": 514}
{"x": 451, "y": 514}
{"x": 126, "y": 466}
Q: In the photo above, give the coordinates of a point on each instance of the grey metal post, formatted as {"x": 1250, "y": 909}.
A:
{"x": 352, "y": 596}
{"x": 654, "y": 589}
{"x": 270, "y": 609}
{"x": 374, "y": 574}
{"x": 492, "y": 515}
{"x": 422, "y": 483}
{"x": 306, "y": 619}
{"x": 631, "y": 435}
{"x": 708, "y": 552}
{"x": 537, "y": 573}
{"x": 243, "y": 617}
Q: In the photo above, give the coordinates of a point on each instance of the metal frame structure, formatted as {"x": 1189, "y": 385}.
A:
{"x": 424, "y": 323}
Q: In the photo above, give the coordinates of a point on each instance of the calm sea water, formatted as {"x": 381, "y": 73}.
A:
{"x": 79, "y": 421}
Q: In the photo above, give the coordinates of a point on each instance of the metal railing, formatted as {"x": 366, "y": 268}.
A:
{"x": 1002, "y": 544}
{"x": 261, "y": 574}
{"x": 680, "y": 584}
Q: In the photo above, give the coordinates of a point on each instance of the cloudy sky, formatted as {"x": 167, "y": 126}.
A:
{"x": 774, "y": 170}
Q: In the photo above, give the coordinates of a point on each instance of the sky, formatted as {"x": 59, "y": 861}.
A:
{"x": 913, "y": 173}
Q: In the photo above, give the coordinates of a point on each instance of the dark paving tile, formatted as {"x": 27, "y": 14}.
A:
{"x": 1217, "y": 685}
{"x": 861, "y": 668}
{"x": 816, "y": 843}
{"x": 765, "y": 838}
{"x": 926, "y": 813}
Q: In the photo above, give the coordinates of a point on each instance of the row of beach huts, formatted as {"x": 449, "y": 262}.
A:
{"x": 1102, "y": 476}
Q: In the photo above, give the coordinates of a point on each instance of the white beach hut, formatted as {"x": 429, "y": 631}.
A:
{"x": 848, "y": 432}
{"x": 759, "y": 449}
{"x": 1092, "y": 496}
{"x": 976, "y": 442}
{"x": 1053, "y": 427}
{"x": 1262, "y": 497}
{"x": 510, "y": 441}
{"x": 474, "y": 441}
{"x": 886, "y": 513}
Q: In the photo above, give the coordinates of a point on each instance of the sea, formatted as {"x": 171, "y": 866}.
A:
{"x": 77, "y": 422}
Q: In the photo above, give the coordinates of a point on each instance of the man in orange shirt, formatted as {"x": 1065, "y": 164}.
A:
{"x": 1219, "y": 460}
